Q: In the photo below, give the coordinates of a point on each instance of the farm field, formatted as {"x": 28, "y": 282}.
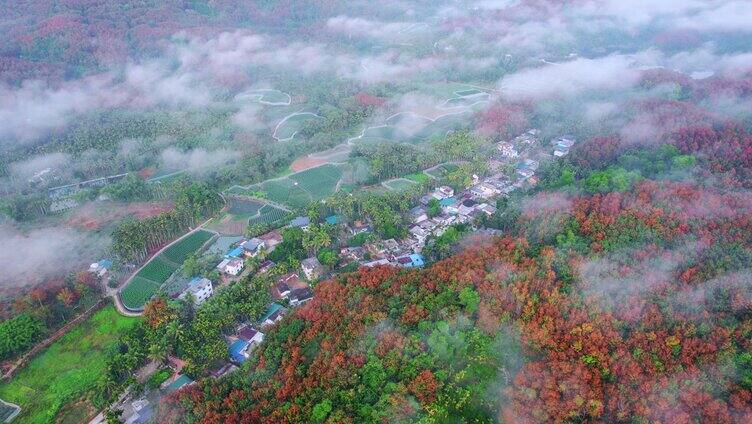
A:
{"x": 291, "y": 124}
{"x": 242, "y": 208}
{"x": 138, "y": 291}
{"x": 63, "y": 376}
{"x": 418, "y": 177}
{"x": 264, "y": 96}
{"x": 299, "y": 189}
{"x": 179, "y": 251}
{"x": 267, "y": 215}
{"x": 440, "y": 171}
{"x": 399, "y": 184}
{"x": 158, "y": 270}
{"x": 151, "y": 277}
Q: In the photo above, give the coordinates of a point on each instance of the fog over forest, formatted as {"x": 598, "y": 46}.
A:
{"x": 117, "y": 112}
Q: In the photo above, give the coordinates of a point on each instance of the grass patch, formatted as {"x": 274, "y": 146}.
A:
{"x": 418, "y": 177}
{"x": 68, "y": 370}
{"x": 399, "y": 184}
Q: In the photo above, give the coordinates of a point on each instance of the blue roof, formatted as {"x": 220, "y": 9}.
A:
{"x": 105, "y": 263}
{"x": 448, "y": 201}
{"x": 235, "y": 253}
{"x": 417, "y": 260}
{"x": 274, "y": 307}
{"x": 235, "y": 350}
{"x": 332, "y": 219}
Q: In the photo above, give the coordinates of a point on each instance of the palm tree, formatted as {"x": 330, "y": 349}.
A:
{"x": 158, "y": 351}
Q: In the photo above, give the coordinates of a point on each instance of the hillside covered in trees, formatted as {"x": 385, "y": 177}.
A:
{"x": 621, "y": 293}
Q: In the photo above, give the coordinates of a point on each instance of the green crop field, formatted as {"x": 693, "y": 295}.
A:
{"x": 267, "y": 215}
{"x": 399, "y": 184}
{"x": 138, "y": 291}
{"x": 297, "y": 190}
{"x": 244, "y": 208}
{"x": 292, "y": 124}
{"x": 67, "y": 371}
{"x": 442, "y": 170}
{"x": 418, "y": 177}
{"x": 179, "y": 251}
{"x": 157, "y": 270}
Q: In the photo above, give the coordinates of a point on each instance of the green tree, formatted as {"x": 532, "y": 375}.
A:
{"x": 434, "y": 208}
{"x": 321, "y": 410}
{"x": 469, "y": 298}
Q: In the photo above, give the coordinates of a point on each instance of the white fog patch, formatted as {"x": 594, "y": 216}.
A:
{"x": 44, "y": 253}
{"x": 614, "y": 72}
{"x": 196, "y": 160}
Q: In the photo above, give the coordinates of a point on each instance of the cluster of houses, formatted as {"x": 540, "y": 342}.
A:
{"x": 234, "y": 261}
{"x": 460, "y": 207}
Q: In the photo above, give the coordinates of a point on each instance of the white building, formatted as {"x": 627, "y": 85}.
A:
{"x": 443, "y": 192}
{"x": 231, "y": 266}
{"x": 200, "y": 289}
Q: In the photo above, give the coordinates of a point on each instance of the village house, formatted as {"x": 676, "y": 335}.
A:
{"x": 442, "y": 192}
{"x": 359, "y": 227}
{"x": 250, "y": 335}
{"x": 419, "y": 213}
{"x": 285, "y": 284}
{"x": 419, "y": 233}
{"x": 236, "y": 252}
{"x": 273, "y": 315}
{"x": 484, "y": 190}
{"x": 300, "y": 296}
{"x": 563, "y": 141}
{"x": 100, "y": 268}
{"x": 240, "y": 351}
{"x": 486, "y": 208}
{"x": 443, "y": 220}
{"x": 560, "y": 151}
{"x": 271, "y": 239}
{"x": 199, "y": 289}
{"x": 253, "y": 247}
{"x": 231, "y": 266}
{"x": 352, "y": 253}
{"x": 265, "y": 267}
{"x": 312, "y": 268}
{"x": 377, "y": 262}
{"x": 507, "y": 150}
{"x": 302, "y": 222}
{"x": 467, "y": 207}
